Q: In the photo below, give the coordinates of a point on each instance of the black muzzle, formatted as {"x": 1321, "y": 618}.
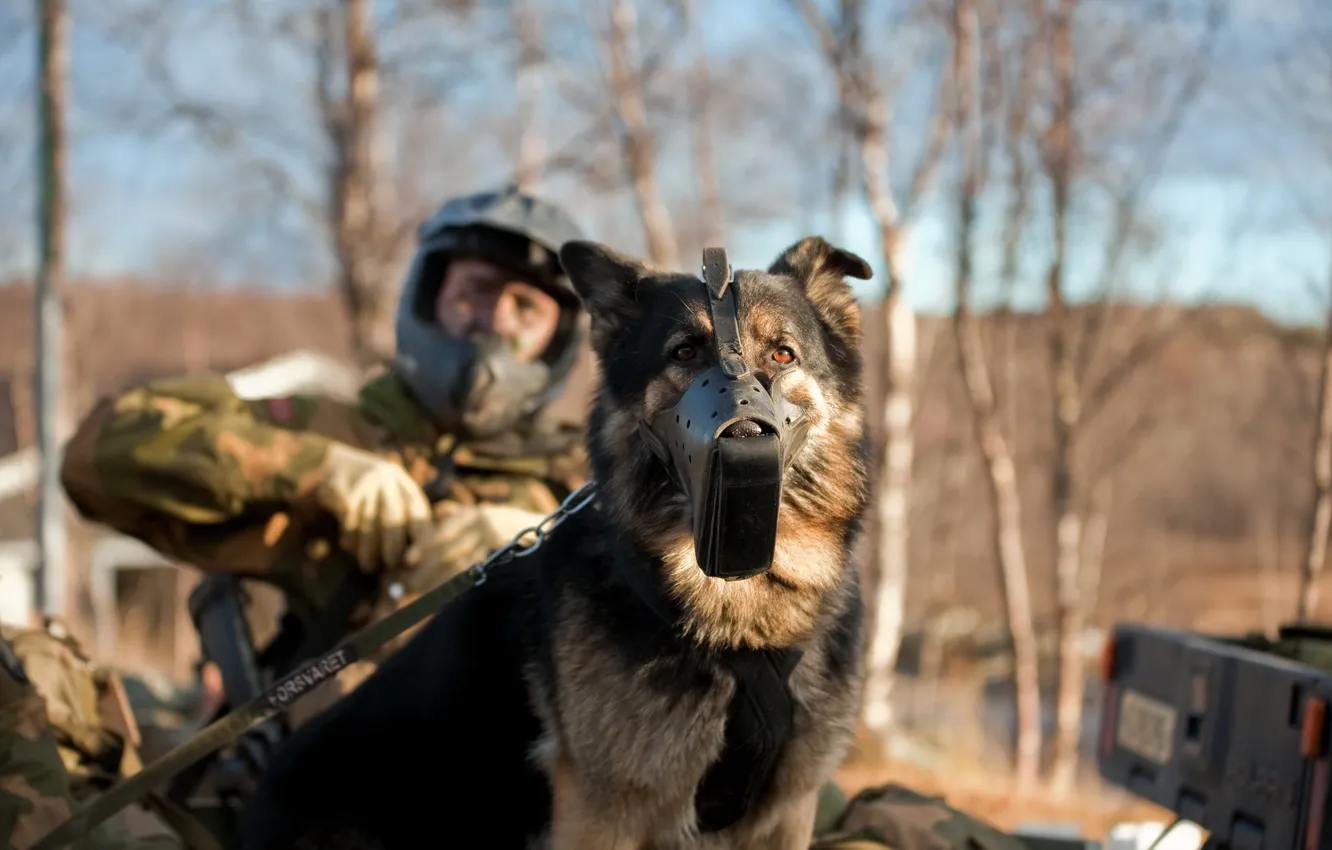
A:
{"x": 727, "y": 442}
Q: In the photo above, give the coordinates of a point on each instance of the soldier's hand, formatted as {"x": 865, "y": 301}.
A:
{"x": 465, "y": 535}
{"x": 507, "y": 522}
{"x": 381, "y": 510}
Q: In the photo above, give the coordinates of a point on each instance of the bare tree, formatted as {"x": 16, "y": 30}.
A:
{"x": 276, "y": 142}
{"x": 53, "y": 70}
{"x": 866, "y": 110}
{"x": 1320, "y": 518}
{"x": 1016, "y": 126}
{"x": 1000, "y": 468}
{"x": 1302, "y": 86}
{"x": 625, "y": 79}
{"x": 704, "y": 160}
{"x": 350, "y": 123}
{"x": 525, "y": 20}
{"x": 1074, "y": 402}
{"x": 1061, "y": 151}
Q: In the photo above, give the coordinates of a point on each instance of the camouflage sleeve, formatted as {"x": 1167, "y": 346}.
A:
{"x": 191, "y": 469}
{"x": 34, "y": 787}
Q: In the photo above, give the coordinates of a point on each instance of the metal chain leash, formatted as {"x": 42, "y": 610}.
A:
{"x": 290, "y": 688}
{"x": 572, "y": 504}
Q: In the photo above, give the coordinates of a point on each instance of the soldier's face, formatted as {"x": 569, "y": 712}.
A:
{"x": 478, "y": 297}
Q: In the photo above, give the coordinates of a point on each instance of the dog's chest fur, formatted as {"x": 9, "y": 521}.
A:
{"x": 643, "y": 729}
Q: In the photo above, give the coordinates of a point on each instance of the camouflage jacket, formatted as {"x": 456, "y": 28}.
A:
{"x": 210, "y": 479}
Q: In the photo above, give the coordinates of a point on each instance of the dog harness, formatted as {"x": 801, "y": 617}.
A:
{"x": 758, "y": 725}
{"x": 759, "y": 720}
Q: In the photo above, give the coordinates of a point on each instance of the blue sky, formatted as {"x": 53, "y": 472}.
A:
{"x": 1279, "y": 270}
{"x": 1230, "y": 202}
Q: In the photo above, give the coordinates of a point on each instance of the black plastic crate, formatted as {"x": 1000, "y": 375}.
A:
{"x": 1231, "y": 738}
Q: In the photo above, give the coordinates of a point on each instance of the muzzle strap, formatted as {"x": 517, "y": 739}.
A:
{"x": 722, "y": 308}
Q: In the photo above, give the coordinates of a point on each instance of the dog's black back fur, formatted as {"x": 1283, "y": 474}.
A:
{"x": 438, "y": 739}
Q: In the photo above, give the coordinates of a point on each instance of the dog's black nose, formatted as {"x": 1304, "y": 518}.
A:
{"x": 743, "y": 428}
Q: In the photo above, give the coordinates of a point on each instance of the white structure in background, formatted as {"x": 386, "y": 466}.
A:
{"x": 296, "y": 372}
{"x": 1047, "y": 829}
{"x": 1140, "y": 835}
{"x": 18, "y": 559}
{"x": 1129, "y": 835}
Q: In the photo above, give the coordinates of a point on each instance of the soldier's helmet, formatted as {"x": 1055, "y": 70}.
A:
{"x": 472, "y": 386}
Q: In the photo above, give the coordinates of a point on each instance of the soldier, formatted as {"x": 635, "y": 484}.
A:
{"x": 488, "y": 330}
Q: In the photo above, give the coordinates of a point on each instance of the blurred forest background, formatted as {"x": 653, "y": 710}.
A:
{"x": 1097, "y": 334}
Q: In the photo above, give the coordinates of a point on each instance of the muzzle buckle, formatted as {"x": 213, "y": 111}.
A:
{"x": 717, "y": 278}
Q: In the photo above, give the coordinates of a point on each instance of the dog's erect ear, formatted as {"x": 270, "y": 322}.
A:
{"x": 814, "y": 256}
{"x": 821, "y": 269}
{"x": 606, "y": 281}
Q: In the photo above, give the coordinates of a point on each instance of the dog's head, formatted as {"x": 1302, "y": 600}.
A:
{"x": 652, "y": 334}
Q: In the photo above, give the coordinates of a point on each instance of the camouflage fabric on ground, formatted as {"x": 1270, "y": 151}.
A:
{"x": 36, "y": 791}
{"x": 891, "y": 816}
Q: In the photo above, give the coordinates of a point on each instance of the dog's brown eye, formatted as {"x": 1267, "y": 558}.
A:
{"x": 783, "y": 354}
{"x": 683, "y": 352}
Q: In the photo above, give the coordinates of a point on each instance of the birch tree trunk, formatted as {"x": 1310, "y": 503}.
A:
{"x": 1001, "y": 473}
{"x": 866, "y": 110}
{"x": 1320, "y": 521}
{"x": 51, "y": 584}
{"x": 899, "y": 370}
{"x": 1095, "y": 531}
{"x": 1067, "y": 395}
{"x": 637, "y": 136}
{"x": 352, "y": 128}
{"x": 1001, "y": 476}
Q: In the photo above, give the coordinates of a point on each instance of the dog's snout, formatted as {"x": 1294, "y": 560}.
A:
{"x": 743, "y": 428}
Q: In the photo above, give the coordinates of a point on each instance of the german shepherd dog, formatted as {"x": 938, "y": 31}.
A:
{"x": 584, "y": 696}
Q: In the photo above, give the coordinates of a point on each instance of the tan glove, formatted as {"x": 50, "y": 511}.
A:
{"x": 381, "y": 510}
{"x": 465, "y": 535}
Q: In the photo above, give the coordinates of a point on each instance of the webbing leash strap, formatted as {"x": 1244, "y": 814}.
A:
{"x": 284, "y": 693}
{"x": 280, "y": 696}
